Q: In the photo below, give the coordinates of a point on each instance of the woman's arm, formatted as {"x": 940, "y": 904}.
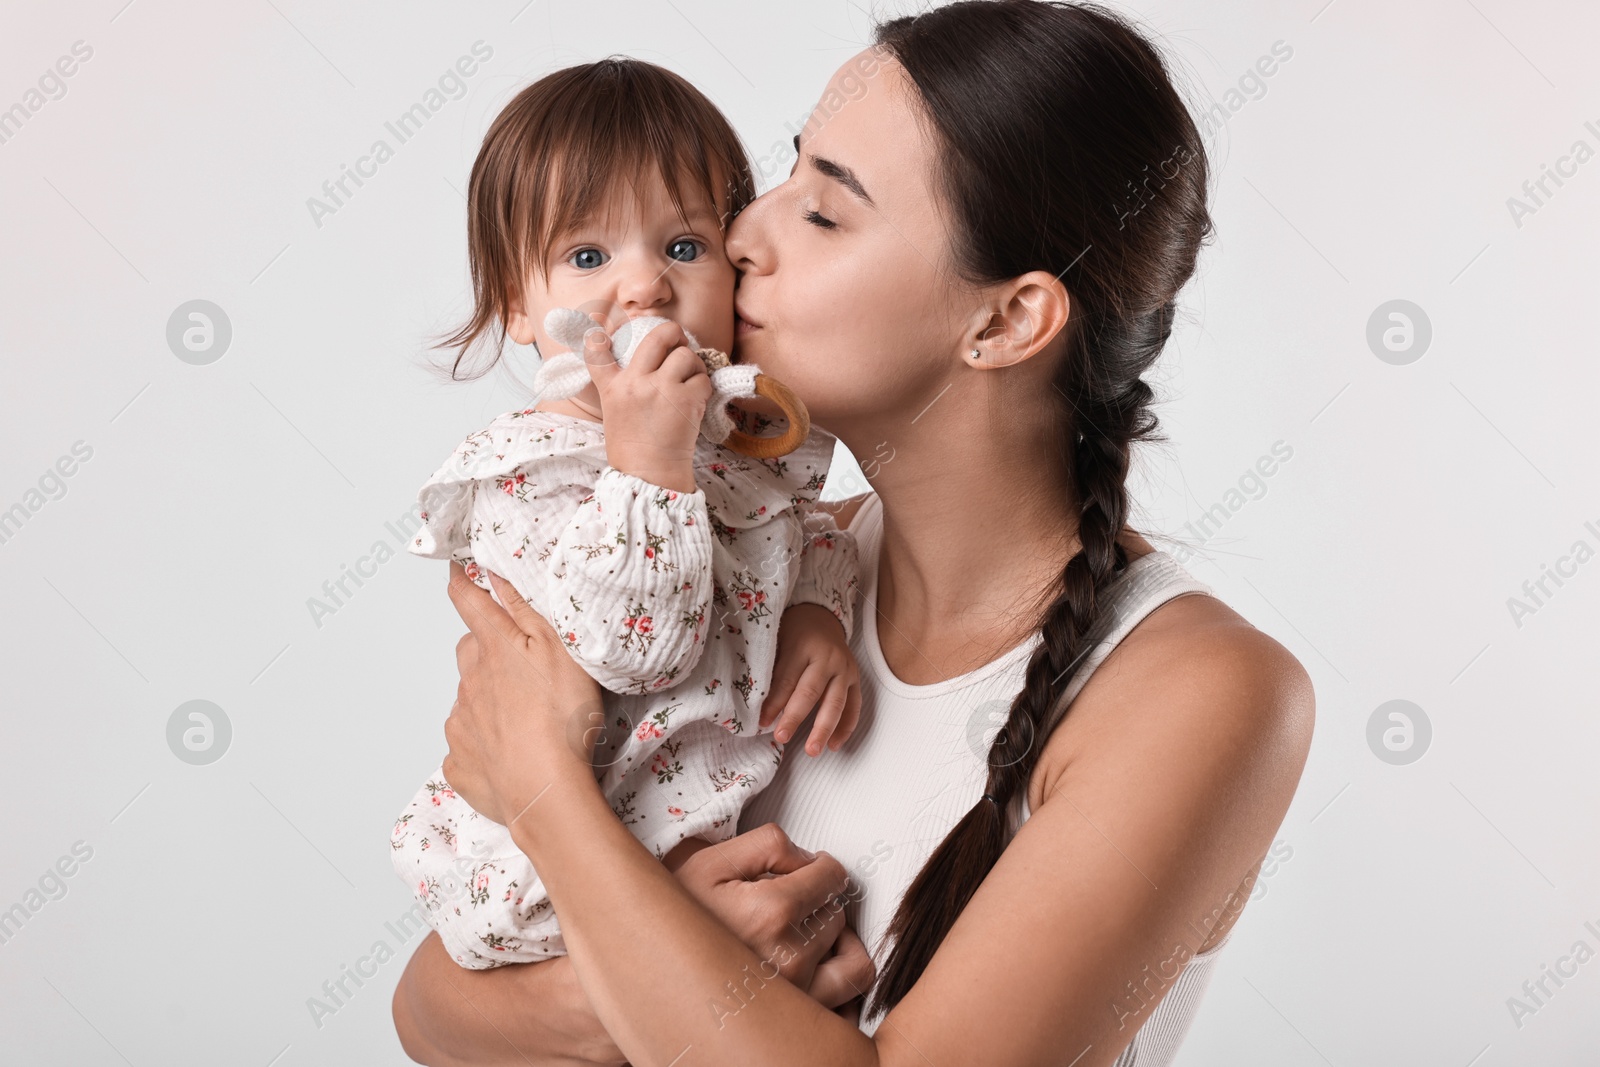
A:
{"x": 537, "y": 1014}
{"x": 529, "y": 1014}
{"x": 1176, "y": 781}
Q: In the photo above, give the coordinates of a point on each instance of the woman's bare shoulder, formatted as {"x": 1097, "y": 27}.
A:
{"x": 1194, "y": 680}
{"x": 1198, "y": 656}
{"x": 1184, "y": 750}
{"x": 1202, "y": 632}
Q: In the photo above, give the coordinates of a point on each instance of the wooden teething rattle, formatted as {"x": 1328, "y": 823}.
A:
{"x": 794, "y": 409}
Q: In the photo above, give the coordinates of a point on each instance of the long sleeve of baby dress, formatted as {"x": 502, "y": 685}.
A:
{"x": 669, "y": 599}
{"x": 828, "y": 567}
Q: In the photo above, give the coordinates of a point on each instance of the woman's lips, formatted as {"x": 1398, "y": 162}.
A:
{"x": 741, "y": 327}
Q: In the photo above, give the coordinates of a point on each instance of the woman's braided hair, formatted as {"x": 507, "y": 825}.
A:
{"x": 1065, "y": 148}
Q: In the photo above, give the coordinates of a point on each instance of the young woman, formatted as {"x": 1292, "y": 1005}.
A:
{"x": 975, "y": 261}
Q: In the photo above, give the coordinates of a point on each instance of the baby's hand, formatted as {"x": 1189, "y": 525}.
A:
{"x": 652, "y": 407}
{"x": 814, "y": 663}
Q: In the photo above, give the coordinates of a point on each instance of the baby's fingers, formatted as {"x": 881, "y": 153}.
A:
{"x": 598, "y": 355}
{"x": 828, "y": 715}
{"x": 808, "y": 688}
{"x": 849, "y": 720}
{"x": 657, "y": 345}
{"x": 784, "y": 678}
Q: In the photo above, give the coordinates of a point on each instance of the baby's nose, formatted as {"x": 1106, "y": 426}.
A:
{"x": 644, "y": 286}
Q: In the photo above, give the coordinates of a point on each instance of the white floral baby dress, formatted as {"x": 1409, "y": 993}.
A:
{"x": 670, "y": 600}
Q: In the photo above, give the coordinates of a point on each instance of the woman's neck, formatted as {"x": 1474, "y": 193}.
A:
{"x": 972, "y": 552}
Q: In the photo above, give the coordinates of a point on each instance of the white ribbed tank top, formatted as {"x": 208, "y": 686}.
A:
{"x": 916, "y": 764}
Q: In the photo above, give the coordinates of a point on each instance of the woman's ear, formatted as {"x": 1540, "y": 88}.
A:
{"x": 1029, "y": 312}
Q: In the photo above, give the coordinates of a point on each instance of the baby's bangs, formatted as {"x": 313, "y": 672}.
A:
{"x": 593, "y": 177}
{"x": 628, "y": 123}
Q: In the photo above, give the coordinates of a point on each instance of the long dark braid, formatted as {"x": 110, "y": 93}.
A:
{"x": 1034, "y": 191}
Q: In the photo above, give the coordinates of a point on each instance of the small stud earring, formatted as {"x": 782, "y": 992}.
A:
{"x": 974, "y": 354}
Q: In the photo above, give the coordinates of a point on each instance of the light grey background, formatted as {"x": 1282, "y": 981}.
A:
{"x": 1374, "y": 165}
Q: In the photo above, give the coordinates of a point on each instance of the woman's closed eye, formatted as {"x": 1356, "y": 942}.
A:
{"x": 818, "y": 219}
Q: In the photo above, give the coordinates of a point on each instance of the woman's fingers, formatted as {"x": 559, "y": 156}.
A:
{"x": 485, "y": 618}
{"x": 845, "y": 975}
{"x": 528, "y": 621}
{"x": 467, "y": 783}
{"x": 747, "y": 856}
{"x": 805, "y": 880}
{"x": 793, "y": 917}
{"x": 804, "y": 918}
{"x": 466, "y": 654}
{"x": 810, "y": 893}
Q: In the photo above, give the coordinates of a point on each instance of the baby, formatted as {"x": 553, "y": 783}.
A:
{"x": 681, "y": 575}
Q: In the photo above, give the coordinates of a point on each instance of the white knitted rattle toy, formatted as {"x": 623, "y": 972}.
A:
{"x": 565, "y": 374}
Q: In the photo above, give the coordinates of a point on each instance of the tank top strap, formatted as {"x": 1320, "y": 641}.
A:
{"x": 867, "y": 524}
{"x": 1149, "y": 582}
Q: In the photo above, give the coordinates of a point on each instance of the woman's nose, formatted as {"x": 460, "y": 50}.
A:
{"x": 747, "y": 244}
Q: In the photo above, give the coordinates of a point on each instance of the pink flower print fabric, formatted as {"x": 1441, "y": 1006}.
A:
{"x": 669, "y": 600}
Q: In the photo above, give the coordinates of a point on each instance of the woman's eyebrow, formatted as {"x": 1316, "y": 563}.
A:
{"x": 838, "y": 172}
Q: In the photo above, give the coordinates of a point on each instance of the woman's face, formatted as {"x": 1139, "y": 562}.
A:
{"x": 846, "y": 293}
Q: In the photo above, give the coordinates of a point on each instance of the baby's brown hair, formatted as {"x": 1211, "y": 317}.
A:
{"x": 559, "y": 151}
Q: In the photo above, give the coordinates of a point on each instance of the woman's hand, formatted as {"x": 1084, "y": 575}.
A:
{"x": 522, "y": 698}
{"x": 785, "y": 905}
{"x": 524, "y": 714}
{"x": 524, "y": 709}
{"x": 542, "y": 1016}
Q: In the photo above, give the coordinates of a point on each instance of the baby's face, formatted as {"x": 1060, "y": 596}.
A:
{"x": 640, "y": 258}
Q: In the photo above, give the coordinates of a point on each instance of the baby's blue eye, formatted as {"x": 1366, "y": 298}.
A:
{"x": 587, "y": 258}
{"x": 684, "y": 251}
